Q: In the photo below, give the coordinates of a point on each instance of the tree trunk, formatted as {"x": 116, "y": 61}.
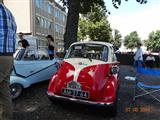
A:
{"x": 70, "y": 35}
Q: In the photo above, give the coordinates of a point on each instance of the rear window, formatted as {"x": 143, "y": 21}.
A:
{"x": 92, "y": 51}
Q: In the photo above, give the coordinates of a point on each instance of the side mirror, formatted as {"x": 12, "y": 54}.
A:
{"x": 114, "y": 69}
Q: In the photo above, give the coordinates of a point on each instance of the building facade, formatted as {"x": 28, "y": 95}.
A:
{"x": 40, "y": 18}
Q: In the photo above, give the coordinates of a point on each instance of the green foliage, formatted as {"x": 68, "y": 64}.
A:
{"x": 83, "y": 28}
{"x": 153, "y": 41}
{"x": 117, "y": 3}
{"x": 96, "y": 14}
{"x": 100, "y": 31}
{"x": 131, "y": 41}
{"x": 117, "y": 38}
{"x": 95, "y": 25}
{"x": 86, "y": 5}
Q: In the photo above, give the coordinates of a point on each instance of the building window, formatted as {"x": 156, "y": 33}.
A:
{"x": 56, "y": 13}
{"x": 37, "y": 21}
{"x": 37, "y": 3}
{"x": 56, "y": 27}
{"x": 64, "y": 18}
{"x": 45, "y": 6}
{"x": 49, "y": 8}
{"x": 41, "y": 3}
{"x": 42, "y": 23}
{"x": 50, "y": 25}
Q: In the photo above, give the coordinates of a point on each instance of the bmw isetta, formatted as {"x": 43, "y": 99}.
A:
{"x": 88, "y": 75}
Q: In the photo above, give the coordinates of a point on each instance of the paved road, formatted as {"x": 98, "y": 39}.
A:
{"x": 33, "y": 104}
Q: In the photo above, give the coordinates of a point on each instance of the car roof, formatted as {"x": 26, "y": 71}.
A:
{"x": 92, "y": 42}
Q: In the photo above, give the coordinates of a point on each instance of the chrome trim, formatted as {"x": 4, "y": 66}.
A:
{"x": 52, "y": 95}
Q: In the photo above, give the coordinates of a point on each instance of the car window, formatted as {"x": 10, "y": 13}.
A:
{"x": 31, "y": 55}
{"x": 43, "y": 55}
{"x": 114, "y": 58}
{"x": 18, "y": 55}
{"x": 91, "y": 51}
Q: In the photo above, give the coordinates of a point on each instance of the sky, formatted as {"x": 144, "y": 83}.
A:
{"x": 132, "y": 16}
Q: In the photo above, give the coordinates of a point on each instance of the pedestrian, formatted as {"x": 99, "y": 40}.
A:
{"x": 7, "y": 48}
{"x": 23, "y": 42}
{"x": 138, "y": 58}
{"x": 51, "y": 47}
{"x": 150, "y": 60}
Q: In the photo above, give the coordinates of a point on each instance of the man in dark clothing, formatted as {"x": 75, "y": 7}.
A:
{"x": 23, "y": 42}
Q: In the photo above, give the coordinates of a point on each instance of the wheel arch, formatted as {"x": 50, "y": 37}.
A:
{"x": 18, "y": 80}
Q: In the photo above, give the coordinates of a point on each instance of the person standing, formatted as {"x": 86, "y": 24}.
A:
{"x": 23, "y": 42}
{"x": 50, "y": 45}
{"x": 150, "y": 60}
{"x": 138, "y": 58}
{"x": 7, "y": 48}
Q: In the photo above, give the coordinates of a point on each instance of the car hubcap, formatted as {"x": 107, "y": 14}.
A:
{"x": 15, "y": 91}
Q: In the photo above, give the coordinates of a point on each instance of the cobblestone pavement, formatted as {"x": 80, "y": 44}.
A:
{"x": 33, "y": 104}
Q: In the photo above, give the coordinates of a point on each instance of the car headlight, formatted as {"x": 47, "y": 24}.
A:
{"x": 114, "y": 69}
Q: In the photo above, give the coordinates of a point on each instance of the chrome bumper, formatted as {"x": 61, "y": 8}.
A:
{"x": 52, "y": 95}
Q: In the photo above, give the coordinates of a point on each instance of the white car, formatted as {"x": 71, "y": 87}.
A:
{"x": 31, "y": 66}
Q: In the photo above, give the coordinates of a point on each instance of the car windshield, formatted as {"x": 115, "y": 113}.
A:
{"x": 18, "y": 55}
{"x": 31, "y": 54}
{"x": 89, "y": 51}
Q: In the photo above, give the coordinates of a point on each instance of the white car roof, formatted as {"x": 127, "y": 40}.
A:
{"x": 93, "y": 42}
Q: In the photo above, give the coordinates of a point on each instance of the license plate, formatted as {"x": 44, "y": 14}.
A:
{"x": 75, "y": 93}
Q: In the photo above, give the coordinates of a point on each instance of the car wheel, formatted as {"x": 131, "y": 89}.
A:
{"x": 16, "y": 90}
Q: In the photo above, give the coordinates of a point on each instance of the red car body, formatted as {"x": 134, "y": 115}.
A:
{"x": 87, "y": 80}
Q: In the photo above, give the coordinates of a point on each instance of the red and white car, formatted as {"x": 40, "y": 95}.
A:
{"x": 88, "y": 74}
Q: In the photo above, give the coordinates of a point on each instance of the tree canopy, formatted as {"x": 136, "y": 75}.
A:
{"x": 95, "y": 25}
{"x": 117, "y": 3}
{"x": 131, "y": 41}
{"x": 82, "y": 6}
{"x": 153, "y": 41}
{"x": 117, "y": 38}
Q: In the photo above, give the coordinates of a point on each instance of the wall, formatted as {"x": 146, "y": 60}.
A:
{"x": 21, "y": 12}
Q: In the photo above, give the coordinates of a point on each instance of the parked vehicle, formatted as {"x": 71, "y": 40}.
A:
{"x": 30, "y": 66}
{"x": 88, "y": 75}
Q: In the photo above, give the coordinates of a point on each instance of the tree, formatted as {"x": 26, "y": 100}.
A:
{"x": 83, "y": 6}
{"x": 95, "y": 14}
{"x": 83, "y": 28}
{"x": 153, "y": 41}
{"x": 95, "y": 25}
{"x": 117, "y": 38}
{"x": 74, "y": 8}
{"x": 100, "y": 31}
{"x": 131, "y": 41}
{"x": 117, "y": 3}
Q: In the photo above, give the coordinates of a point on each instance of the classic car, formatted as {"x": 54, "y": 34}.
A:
{"x": 30, "y": 66}
{"x": 88, "y": 75}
